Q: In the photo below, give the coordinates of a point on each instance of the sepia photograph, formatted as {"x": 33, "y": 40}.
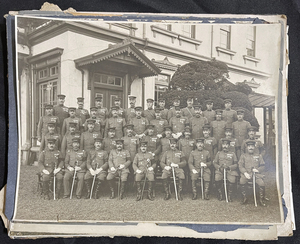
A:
{"x": 170, "y": 121}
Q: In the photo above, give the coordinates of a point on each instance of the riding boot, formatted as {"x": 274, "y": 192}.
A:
{"x": 46, "y": 190}
{"x": 180, "y": 189}
{"x": 261, "y": 196}
{"x": 230, "y": 190}
{"x": 206, "y": 190}
{"x": 58, "y": 189}
{"x": 265, "y": 198}
{"x": 244, "y": 194}
{"x": 194, "y": 190}
{"x": 123, "y": 183}
{"x": 219, "y": 186}
{"x": 166, "y": 188}
{"x": 97, "y": 190}
{"x": 138, "y": 191}
{"x": 111, "y": 187}
{"x": 150, "y": 185}
{"x": 87, "y": 184}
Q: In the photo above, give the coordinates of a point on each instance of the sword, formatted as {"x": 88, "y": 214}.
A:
{"x": 93, "y": 183}
{"x": 202, "y": 190}
{"x": 254, "y": 191}
{"x": 54, "y": 182}
{"x": 76, "y": 162}
{"x": 225, "y": 185}
{"x": 145, "y": 181}
{"x": 175, "y": 187}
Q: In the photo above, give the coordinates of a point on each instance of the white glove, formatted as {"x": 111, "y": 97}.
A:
{"x": 153, "y": 154}
{"x": 71, "y": 168}
{"x": 150, "y": 168}
{"x": 92, "y": 172}
{"x": 39, "y": 139}
{"x": 159, "y": 135}
{"x": 247, "y": 176}
{"x": 167, "y": 167}
{"x": 194, "y": 171}
{"x": 46, "y": 172}
{"x": 77, "y": 168}
{"x": 113, "y": 169}
{"x": 174, "y": 135}
{"x": 138, "y": 171}
{"x": 98, "y": 171}
{"x": 179, "y": 134}
{"x": 255, "y": 170}
{"x": 174, "y": 165}
{"x": 203, "y": 165}
{"x": 121, "y": 166}
{"x": 56, "y": 170}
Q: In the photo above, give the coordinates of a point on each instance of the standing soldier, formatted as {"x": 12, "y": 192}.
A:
{"x": 178, "y": 123}
{"x": 233, "y": 142}
{"x": 218, "y": 126}
{"x": 149, "y": 113}
{"x": 210, "y": 143}
{"x": 120, "y": 111}
{"x": 229, "y": 115}
{"x": 200, "y": 158}
{"x": 240, "y": 128}
{"x": 99, "y": 123}
{"x": 67, "y": 141}
{"x": 139, "y": 123}
{"x": 50, "y": 165}
{"x": 118, "y": 162}
{"x": 225, "y": 160}
{"x": 75, "y": 161}
{"x": 165, "y": 141}
{"x": 88, "y": 137}
{"x": 209, "y": 113}
{"x": 153, "y": 143}
{"x": 259, "y": 147}
{"x": 115, "y": 121}
{"x": 80, "y": 111}
{"x": 72, "y": 118}
{"x": 44, "y": 120}
{"x": 143, "y": 166}
{"x": 109, "y": 142}
{"x": 172, "y": 111}
{"x": 176, "y": 159}
{"x": 102, "y": 112}
{"x": 250, "y": 165}
{"x": 197, "y": 122}
{"x": 159, "y": 123}
{"x": 130, "y": 112}
{"x": 51, "y": 134}
{"x": 189, "y": 111}
{"x": 161, "y": 106}
{"x": 60, "y": 110}
{"x": 97, "y": 164}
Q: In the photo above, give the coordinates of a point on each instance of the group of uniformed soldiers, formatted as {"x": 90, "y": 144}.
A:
{"x": 142, "y": 144}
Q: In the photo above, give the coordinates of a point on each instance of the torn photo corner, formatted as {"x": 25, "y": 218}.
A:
{"x": 131, "y": 124}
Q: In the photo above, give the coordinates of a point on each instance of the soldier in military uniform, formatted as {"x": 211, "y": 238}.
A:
{"x": 149, "y": 113}
{"x": 229, "y": 115}
{"x": 61, "y": 111}
{"x": 139, "y": 123}
{"x": 176, "y": 159}
{"x": 259, "y": 147}
{"x": 249, "y": 164}
{"x": 102, "y": 112}
{"x": 209, "y": 113}
{"x": 109, "y": 142}
{"x": 165, "y": 141}
{"x": 75, "y": 161}
{"x": 51, "y": 134}
{"x": 233, "y": 142}
{"x": 178, "y": 123}
{"x": 218, "y": 126}
{"x": 88, "y": 137}
{"x": 172, "y": 111}
{"x": 130, "y": 112}
{"x": 50, "y": 164}
{"x": 200, "y": 158}
{"x": 189, "y": 111}
{"x": 161, "y": 106}
{"x": 143, "y": 166}
{"x": 118, "y": 162}
{"x": 153, "y": 142}
{"x": 80, "y": 111}
{"x": 67, "y": 143}
{"x": 197, "y": 122}
{"x": 44, "y": 120}
{"x": 159, "y": 123}
{"x": 240, "y": 128}
{"x": 97, "y": 165}
{"x": 72, "y": 118}
{"x": 115, "y": 121}
{"x": 120, "y": 111}
{"x": 99, "y": 123}
{"x": 210, "y": 143}
{"x": 225, "y": 160}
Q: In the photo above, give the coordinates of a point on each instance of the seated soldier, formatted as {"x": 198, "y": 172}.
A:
{"x": 50, "y": 164}
{"x": 225, "y": 161}
{"x": 173, "y": 158}
{"x": 118, "y": 162}
{"x": 97, "y": 164}
{"x": 200, "y": 158}
{"x": 233, "y": 142}
{"x": 251, "y": 164}
{"x": 75, "y": 162}
{"x": 143, "y": 166}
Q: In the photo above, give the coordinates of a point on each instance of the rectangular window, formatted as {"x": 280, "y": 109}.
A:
{"x": 107, "y": 79}
{"x": 54, "y": 70}
{"x": 159, "y": 90}
{"x": 225, "y": 36}
{"x": 189, "y": 31}
{"x": 250, "y": 41}
{"x": 47, "y": 95}
{"x": 43, "y": 73}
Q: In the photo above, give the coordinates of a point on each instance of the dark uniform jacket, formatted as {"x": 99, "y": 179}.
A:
{"x": 149, "y": 114}
{"x": 76, "y": 158}
{"x": 102, "y": 113}
{"x": 120, "y": 113}
{"x": 109, "y": 144}
{"x": 186, "y": 146}
{"x": 196, "y": 123}
{"x": 142, "y": 161}
{"x": 197, "y": 157}
{"x": 229, "y": 116}
{"x": 129, "y": 114}
{"x": 172, "y": 113}
{"x": 119, "y": 157}
{"x": 62, "y": 112}
{"x": 82, "y": 113}
{"x": 99, "y": 125}
{"x": 228, "y": 159}
{"x": 153, "y": 145}
{"x": 87, "y": 140}
{"x": 159, "y": 125}
{"x": 164, "y": 114}
{"x": 178, "y": 124}
{"x": 210, "y": 115}
{"x": 67, "y": 143}
{"x": 116, "y": 122}
{"x": 43, "y": 125}
{"x": 249, "y": 161}
{"x": 173, "y": 156}
{"x": 139, "y": 124}
{"x": 77, "y": 120}
{"x": 49, "y": 160}
{"x": 165, "y": 146}
{"x": 44, "y": 141}
{"x": 188, "y": 112}
{"x": 218, "y": 129}
{"x": 211, "y": 145}
{"x": 240, "y": 130}
{"x": 97, "y": 158}
{"x": 258, "y": 149}
{"x": 131, "y": 144}
{"x": 232, "y": 146}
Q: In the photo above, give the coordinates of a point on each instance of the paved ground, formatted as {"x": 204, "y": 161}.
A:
{"x": 32, "y": 207}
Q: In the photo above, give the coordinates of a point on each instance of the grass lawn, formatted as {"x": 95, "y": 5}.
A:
{"x": 31, "y": 206}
